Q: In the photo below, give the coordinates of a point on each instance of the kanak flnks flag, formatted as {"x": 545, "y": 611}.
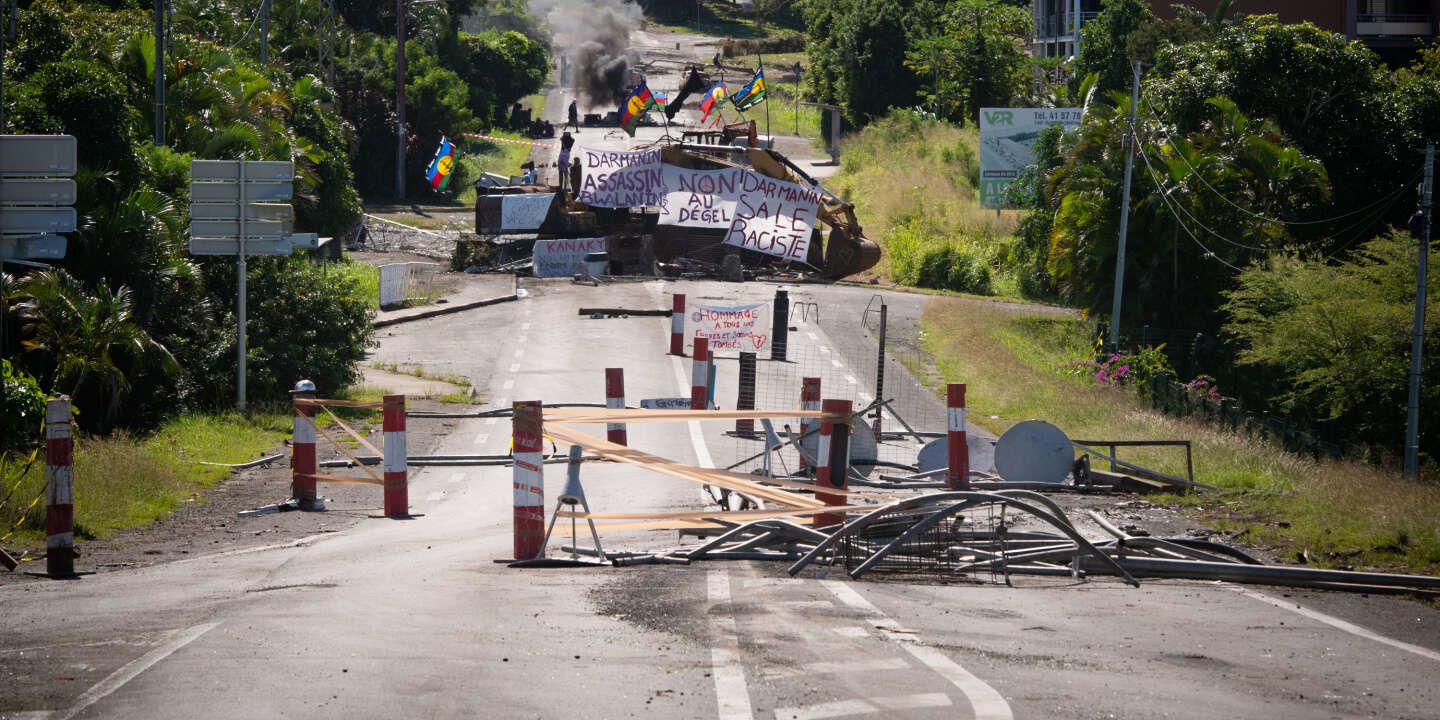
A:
{"x": 634, "y": 108}
{"x": 714, "y": 98}
{"x": 442, "y": 167}
{"x": 752, "y": 94}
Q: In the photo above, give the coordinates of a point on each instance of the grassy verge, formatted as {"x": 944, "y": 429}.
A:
{"x": 719, "y": 18}
{"x": 914, "y": 183}
{"x": 1017, "y": 364}
{"x": 366, "y": 277}
{"x": 501, "y": 158}
{"x": 123, "y": 481}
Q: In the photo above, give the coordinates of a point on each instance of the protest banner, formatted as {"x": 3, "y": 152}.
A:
{"x": 524, "y": 212}
{"x": 743, "y": 327}
{"x": 621, "y": 178}
{"x": 563, "y": 258}
{"x": 774, "y": 217}
{"x": 699, "y": 198}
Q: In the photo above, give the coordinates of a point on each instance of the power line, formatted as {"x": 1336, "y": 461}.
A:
{"x": 1364, "y": 222}
{"x": 1169, "y": 139}
{"x": 1165, "y": 195}
{"x": 1165, "y": 198}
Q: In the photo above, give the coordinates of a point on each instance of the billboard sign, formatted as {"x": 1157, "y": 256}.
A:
{"x": 1006, "y": 137}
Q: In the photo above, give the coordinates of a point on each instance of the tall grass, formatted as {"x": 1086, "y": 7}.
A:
{"x": 366, "y": 278}
{"x": 913, "y": 180}
{"x": 1018, "y": 365}
{"x": 123, "y": 481}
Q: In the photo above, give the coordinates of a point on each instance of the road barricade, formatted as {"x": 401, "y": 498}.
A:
{"x": 303, "y": 467}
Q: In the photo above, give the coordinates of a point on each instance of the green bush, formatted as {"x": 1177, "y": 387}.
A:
{"x": 22, "y": 407}
{"x": 951, "y": 267}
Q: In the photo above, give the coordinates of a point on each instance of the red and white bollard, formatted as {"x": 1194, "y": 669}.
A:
{"x": 302, "y": 447}
{"x": 810, "y": 402}
{"x": 59, "y": 489}
{"x": 834, "y": 458}
{"x": 958, "y": 476}
{"x": 528, "y": 438}
{"x": 700, "y": 375}
{"x": 677, "y": 324}
{"x": 397, "y": 494}
{"x": 615, "y": 400}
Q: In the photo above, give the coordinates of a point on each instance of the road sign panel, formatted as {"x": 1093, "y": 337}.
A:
{"x": 38, "y": 247}
{"x": 22, "y": 155}
{"x": 231, "y": 228}
{"x": 230, "y": 170}
{"x": 37, "y": 191}
{"x": 36, "y": 220}
{"x": 231, "y": 211}
{"x": 229, "y": 246}
{"x": 256, "y": 191}
{"x": 305, "y": 241}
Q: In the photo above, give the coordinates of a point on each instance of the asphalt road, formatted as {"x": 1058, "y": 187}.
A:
{"x": 415, "y": 619}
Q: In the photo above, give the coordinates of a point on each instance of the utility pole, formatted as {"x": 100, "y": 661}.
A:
{"x": 400, "y": 99}
{"x": 1417, "y": 341}
{"x": 264, "y": 32}
{"x": 159, "y": 72}
{"x": 1124, "y": 212}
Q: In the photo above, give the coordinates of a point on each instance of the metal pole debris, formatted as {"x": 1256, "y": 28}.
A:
{"x": 700, "y": 374}
{"x": 958, "y": 475}
{"x": 833, "y": 455}
{"x": 746, "y": 397}
{"x": 302, "y": 448}
{"x": 397, "y": 496}
{"x": 59, "y": 489}
{"x": 615, "y": 399}
{"x": 527, "y": 437}
{"x": 780, "y": 326}
{"x": 677, "y": 324}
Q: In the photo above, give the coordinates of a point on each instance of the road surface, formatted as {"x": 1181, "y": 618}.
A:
{"x": 414, "y": 618}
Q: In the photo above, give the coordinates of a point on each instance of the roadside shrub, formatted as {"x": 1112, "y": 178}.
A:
{"x": 951, "y": 267}
{"x": 304, "y": 322}
{"x": 22, "y": 407}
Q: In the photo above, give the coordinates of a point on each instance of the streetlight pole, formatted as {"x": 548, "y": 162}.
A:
{"x": 400, "y": 99}
{"x": 1124, "y": 213}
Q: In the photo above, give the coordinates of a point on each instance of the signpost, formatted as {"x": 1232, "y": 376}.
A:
{"x": 229, "y": 215}
{"x": 36, "y": 195}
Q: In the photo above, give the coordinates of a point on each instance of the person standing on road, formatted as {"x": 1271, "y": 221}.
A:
{"x": 567, "y": 141}
{"x": 574, "y": 116}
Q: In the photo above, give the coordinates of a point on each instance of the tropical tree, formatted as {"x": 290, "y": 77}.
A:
{"x": 1338, "y": 335}
{"x": 976, "y": 60}
{"x": 84, "y": 334}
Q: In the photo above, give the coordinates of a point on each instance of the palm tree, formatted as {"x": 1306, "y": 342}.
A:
{"x": 81, "y": 332}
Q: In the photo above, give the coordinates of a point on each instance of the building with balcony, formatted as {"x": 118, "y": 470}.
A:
{"x": 1392, "y": 28}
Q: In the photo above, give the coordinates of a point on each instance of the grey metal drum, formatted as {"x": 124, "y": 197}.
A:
{"x": 936, "y": 454}
{"x": 1034, "y": 451}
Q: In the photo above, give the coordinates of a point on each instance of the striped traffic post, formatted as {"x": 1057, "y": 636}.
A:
{"x": 302, "y": 447}
{"x": 746, "y": 397}
{"x": 677, "y": 324}
{"x": 809, "y": 402}
{"x": 527, "y": 437}
{"x": 834, "y": 458}
{"x": 957, "y": 477}
{"x": 397, "y": 495}
{"x": 59, "y": 489}
{"x": 700, "y": 374}
{"x": 615, "y": 400}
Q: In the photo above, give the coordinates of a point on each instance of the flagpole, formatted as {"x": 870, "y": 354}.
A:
{"x": 761, "y": 58}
